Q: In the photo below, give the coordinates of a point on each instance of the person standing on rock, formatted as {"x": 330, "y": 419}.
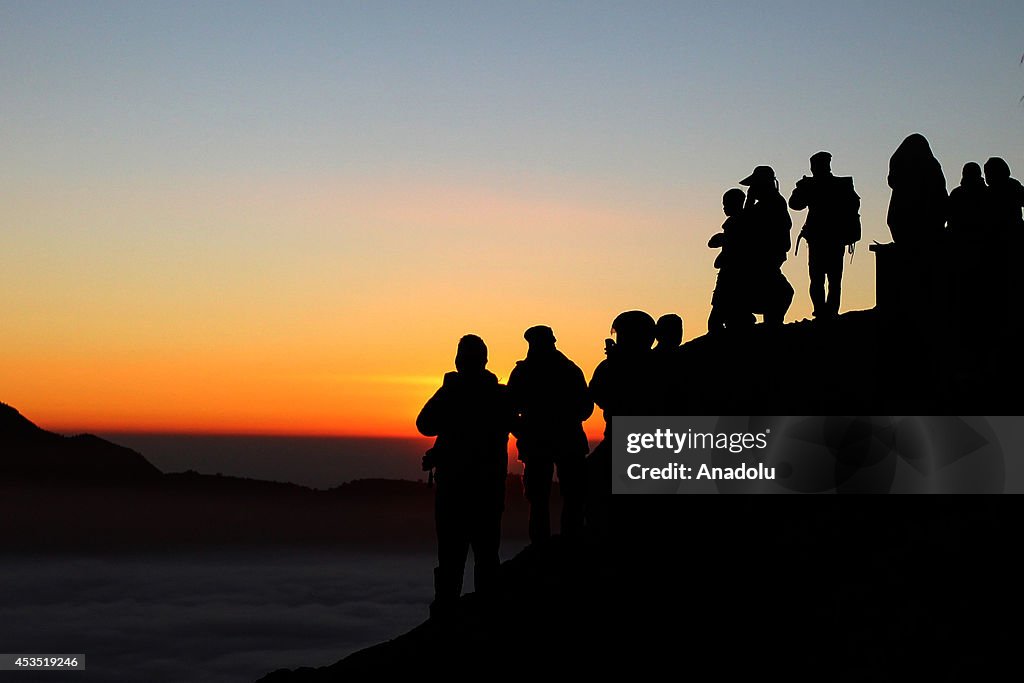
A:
{"x": 919, "y": 203}
{"x": 471, "y": 416}
{"x": 550, "y": 397}
{"x": 624, "y": 383}
{"x": 832, "y": 227}
{"x": 768, "y": 243}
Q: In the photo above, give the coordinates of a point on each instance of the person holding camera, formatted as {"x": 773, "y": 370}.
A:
{"x": 768, "y": 242}
{"x": 832, "y": 227}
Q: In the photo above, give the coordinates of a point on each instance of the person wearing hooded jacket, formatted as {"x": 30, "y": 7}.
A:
{"x": 471, "y": 416}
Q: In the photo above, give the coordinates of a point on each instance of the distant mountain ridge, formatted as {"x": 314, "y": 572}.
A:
{"x": 83, "y": 493}
{"x": 29, "y": 452}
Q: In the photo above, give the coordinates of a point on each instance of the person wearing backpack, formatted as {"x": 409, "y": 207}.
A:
{"x": 471, "y": 415}
{"x": 550, "y": 397}
{"x": 832, "y": 228}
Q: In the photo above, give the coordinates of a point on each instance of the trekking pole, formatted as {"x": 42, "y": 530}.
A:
{"x": 430, "y": 478}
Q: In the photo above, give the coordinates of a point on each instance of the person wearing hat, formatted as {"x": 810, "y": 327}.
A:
{"x": 768, "y": 227}
{"x": 471, "y": 416}
{"x": 832, "y": 226}
{"x": 550, "y": 398}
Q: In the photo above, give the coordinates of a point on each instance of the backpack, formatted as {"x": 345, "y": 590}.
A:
{"x": 848, "y": 228}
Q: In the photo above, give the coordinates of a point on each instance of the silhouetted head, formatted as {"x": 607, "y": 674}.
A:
{"x": 634, "y": 331}
{"x": 732, "y": 201}
{"x": 669, "y": 331}
{"x": 540, "y": 338}
{"x": 914, "y": 167}
{"x": 762, "y": 182}
{"x": 972, "y": 174}
{"x": 996, "y": 171}
{"x": 821, "y": 164}
{"x": 914, "y": 147}
{"x": 763, "y": 176}
{"x": 471, "y": 356}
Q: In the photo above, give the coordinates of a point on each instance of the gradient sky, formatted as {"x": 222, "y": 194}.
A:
{"x": 281, "y": 216}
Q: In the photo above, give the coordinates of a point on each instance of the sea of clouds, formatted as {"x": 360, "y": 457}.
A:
{"x": 217, "y": 617}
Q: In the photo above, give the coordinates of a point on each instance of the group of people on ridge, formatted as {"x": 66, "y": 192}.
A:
{"x": 755, "y": 241}
{"x": 547, "y": 397}
{"x": 980, "y": 217}
{"x": 922, "y": 215}
{"x": 544, "y": 404}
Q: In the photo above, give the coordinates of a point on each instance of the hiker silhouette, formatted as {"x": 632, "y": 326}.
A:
{"x": 471, "y": 415}
{"x": 832, "y": 227}
{"x": 968, "y": 206}
{"x": 767, "y": 225}
{"x": 668, "y": 333}
{"x": 668, "y": 364}
{"x": 729, "y": 307}
{"x": 550, "y": 396}
{"x": 625, "y": 383}
{"x": 1005, "y": 198}
{"x": 919, "y": 203}
{"x": 973, "y": 242}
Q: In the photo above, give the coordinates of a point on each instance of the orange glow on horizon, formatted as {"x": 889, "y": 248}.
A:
{"x": 323, "y": 308}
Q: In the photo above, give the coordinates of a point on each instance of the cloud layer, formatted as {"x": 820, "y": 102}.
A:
{"x": 221, "y": 618}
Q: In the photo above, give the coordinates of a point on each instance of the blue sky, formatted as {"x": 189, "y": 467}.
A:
{"x": 238, "y": 186}
{"x": 646, "y": 93}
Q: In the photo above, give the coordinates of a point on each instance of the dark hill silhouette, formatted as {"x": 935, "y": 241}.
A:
{"x": 545, "y": 604}
{"x": 29, "y": 452}
{"x": 834, "y": 589}
{"x": 851, "y": 589}
{"x": 86, "y": 494}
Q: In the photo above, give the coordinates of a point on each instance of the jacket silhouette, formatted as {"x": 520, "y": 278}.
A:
{"x": 833, "y": 223}
{"x": 768, "y": 226}
{"x": 550, "y": 396}
{"x": 471, "y": 416}
{"x": 919, "y": 203}
{"x": 625, "y": 383}
{"x": 968, "y": 205}
{"x": 1005, "y": 198}
{"x": 730, "y": 307}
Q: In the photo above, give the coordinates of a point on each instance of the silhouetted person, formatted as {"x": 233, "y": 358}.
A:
{"x": 621, "y": 384}
{"x": 968, "y": 205}
{"x": 832, "y": 226}
{"x": 668, "y": 332}
{"x": 1005, "y": 198}
{"x": 918, "y": 206}
{"x": 668, "y": 361}
{"x": 1005, "y": 202}
{"x": 625, "y": 383}
{"x": 471, "y": 416}
{"x": 550, "y": 396}
{"x": 768, "y": 225}
{"x": 729, "y": 303}
{"x": 973, "y": 242}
